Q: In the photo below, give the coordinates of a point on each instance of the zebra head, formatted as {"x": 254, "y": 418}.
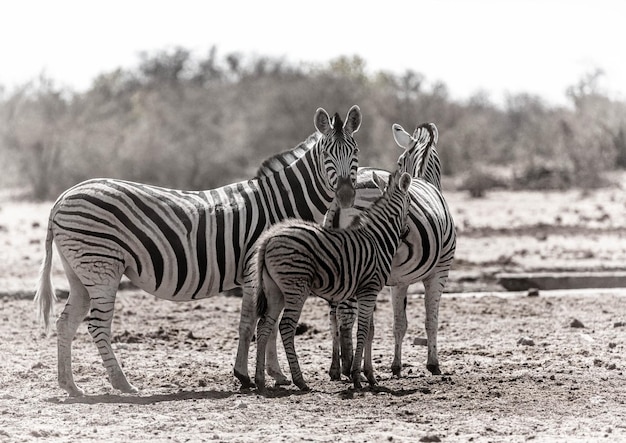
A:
{"x": 420, "y": 157}
{"x": 339, "y": 152}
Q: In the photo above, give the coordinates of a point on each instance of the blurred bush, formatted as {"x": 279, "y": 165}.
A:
{"x": 200, "y": 122}
{"x": 480, "y": 180}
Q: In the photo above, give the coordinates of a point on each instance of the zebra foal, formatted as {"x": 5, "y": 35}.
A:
{"x": 180, "y": 245}
{"x": 295, "y": 259}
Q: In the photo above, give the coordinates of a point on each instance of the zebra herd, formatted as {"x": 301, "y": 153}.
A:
{"x": 268, "y": 236}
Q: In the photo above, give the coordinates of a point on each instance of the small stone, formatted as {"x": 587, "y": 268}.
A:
{"x": 526, "y": 341}
{"x": 430, "y": 438}
{"x": 576, "y": 324}
{"x": 301, "y": 328}
{"x": 419, "y": 341}
{"x": 533, "y": 292}
{"x": 619, "y": 324}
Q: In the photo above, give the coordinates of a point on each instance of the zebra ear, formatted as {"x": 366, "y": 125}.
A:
{"x": 405, "y": 182}
{"x": 379, "y": 181}
{"x": 402, "y": 138}
{"x": 353, "y": 120}
{"x": 322, "y": 121}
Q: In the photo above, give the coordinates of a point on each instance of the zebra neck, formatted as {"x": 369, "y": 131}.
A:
{"x": 300, "y": 189}
{"x": 383, "y": 218}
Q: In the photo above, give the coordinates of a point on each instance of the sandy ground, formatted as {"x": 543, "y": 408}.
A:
{"x": 515, "y": 367}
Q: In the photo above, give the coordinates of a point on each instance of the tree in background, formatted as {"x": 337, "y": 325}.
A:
{"x": 198, "y": 123}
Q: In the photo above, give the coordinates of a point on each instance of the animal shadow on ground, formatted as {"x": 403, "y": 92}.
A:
{"x": 143, "y": 400}
{"x": 349, "y": 392}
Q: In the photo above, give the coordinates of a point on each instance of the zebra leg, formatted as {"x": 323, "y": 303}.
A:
{"x": 247, "y": 321}
{"x": 366, "y": 305}
{"x": 433, "y": 286}
{"x": 265, "y": 327}
{"x": 346, "y": 316}
{"x": 101, "y": 316}
{"x": 273, "y": 367}
{"x": 75, "y": 311}
{"x": 291, "y": 315}
{"x": 368, "y": 368}
{"x": 335, "y": 365}
{"x": 398, "y": 299}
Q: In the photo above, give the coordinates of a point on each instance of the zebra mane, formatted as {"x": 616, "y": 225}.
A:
{"x": 280, "y": 161}
{"x": 425, "y": 136}
{"x": 420, "y": 157}
{"x": 337, "y": 123}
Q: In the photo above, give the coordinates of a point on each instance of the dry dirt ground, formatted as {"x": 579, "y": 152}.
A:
{"x": 515, "y": 367}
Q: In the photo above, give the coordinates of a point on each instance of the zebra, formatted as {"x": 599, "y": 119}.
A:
{"x": 422, "y": 162}
{"x": 180, "y": 245}
{"x": 295, "y": 259}
{"x": 426, "y": 254}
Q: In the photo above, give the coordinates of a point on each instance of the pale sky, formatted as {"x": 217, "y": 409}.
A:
{"x": 502, "y": 47}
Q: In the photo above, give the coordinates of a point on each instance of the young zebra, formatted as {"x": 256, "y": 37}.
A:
{"x": 180, "y": 245}
{"x": 296, "y": 258}
{"x": 426, "y": 253}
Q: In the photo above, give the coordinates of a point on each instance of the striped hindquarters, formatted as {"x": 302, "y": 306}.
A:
{"x": 170, "y": 243}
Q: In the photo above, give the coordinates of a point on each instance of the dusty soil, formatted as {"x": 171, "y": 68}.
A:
{"x": 515, "y": 367}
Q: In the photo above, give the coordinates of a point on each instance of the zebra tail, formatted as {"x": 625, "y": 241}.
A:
{"x": 261, "y": 303}
{"x": 45, "y": 296}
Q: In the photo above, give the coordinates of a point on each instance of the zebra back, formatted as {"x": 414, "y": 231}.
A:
{"x": 180, "y": 244}
{"x": 280, "y": 161}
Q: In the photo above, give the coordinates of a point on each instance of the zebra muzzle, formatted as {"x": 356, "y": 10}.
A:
{"x": 345, "y": 192}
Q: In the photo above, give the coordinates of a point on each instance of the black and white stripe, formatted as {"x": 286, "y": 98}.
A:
{"x": 181, "y": 245}
{"x": 296, "y": 259}
{"x": 426, "y": 254}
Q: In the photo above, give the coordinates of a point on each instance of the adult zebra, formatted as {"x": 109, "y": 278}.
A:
{"x": 296, "y": 259}
{"x": 426, "y": 254}
{"x": 180, "y": 245}
{"x": 421, "y": 160}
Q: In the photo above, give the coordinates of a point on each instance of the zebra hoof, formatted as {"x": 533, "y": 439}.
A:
{"x": 245, "y": 381}
{"x": 129, "y": 389}
{"x": 396, "y": 371}
{"x": 356, "y": 379}
{"x": 301, "y": 384}
{"x": 335, "y": 374}
{"x": 434, "y": 369}
{"x": 282, "y": 382}
{"x": 371, "y": 379}
{"x": 260, "y": 385}
{"x": 74, "y": 391}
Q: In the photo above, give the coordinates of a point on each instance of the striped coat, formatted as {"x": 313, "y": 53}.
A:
{"x": 296, "y": 259}
{"x": 426, "y": 254}
{"x": 180, "y": 245}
